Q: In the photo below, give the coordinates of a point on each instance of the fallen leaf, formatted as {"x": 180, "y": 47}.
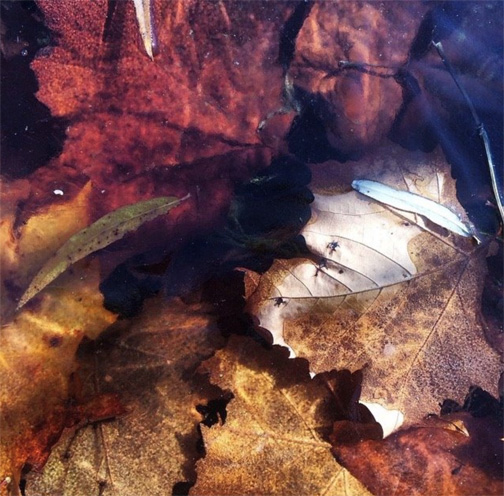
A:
{"x": 215, "y": 77}
{"x": 454, "y": 454}
{"x": 28, "y": 245}
{"x": 272, "y": 440}
{"x": 37, "y": 357}
{"x": 38, "y": 343}
{"x": 385, "y": 290}
{"x": 98, "y": 235}
{"x": 356, "y": 106}
{"x": 149, "y": 362}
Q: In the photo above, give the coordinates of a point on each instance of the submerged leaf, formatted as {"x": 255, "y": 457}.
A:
{"x": 454, "y": 454}
{"x": 272, "y": 440}
{"x": 102, "y": 233}
{"x": 392, "y": 292}
{"x": 37, "y": 358}
{"x": 149, "y": 362}
{"x": 404, "y": 200}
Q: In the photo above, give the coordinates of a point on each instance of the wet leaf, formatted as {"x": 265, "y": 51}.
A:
{"x": 355, "y": 102}
{"x": 454, "y": 454}
{"x": 149, "y": 362}
{"x": 183, "y": 122}
{"x": 98, "y": 235}
{"x": 272, "y": 439}
{"x": 27, "y": 245}
{"x": 37, "y": 358}
{"x": 385, "y": 290}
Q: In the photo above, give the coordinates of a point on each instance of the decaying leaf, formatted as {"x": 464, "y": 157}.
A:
{"x": 335, "y": 43}
{"x": 149, "y": 362}
{"x": 384, "y": 292}
{"x": 37, "y": 357}
{"x": 196, "y": 106}
{"x": 98, "y": 235}
{"x": 390, "y": 292}
{"x": 456, "y": 454}
{"x": 272, "y": 439}
{"x": 28, "y": 245}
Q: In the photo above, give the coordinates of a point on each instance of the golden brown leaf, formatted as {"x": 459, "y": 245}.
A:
{"x": 272, "y": 440}
{"x": 452, "y": 455}
{"x": 27, "y": 247}
{"x": 38, "y": 344}
{"x": 392, "y": 292}
{"x": 149, "y": 362}
{"x": 37, "y": 357}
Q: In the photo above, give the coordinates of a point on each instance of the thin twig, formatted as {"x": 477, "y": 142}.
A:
{"x": 479, "y": 126}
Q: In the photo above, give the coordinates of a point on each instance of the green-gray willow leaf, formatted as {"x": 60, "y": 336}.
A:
{"x": 103, "y": 232}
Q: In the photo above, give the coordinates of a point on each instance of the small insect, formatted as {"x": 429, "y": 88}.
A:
{"x": 279, "y": 301}
{"x": 321, "y": 265}
{"x": 332, "y": 246}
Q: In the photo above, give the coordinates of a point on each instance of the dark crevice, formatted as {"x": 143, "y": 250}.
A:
{"x": 182, "y": 488}
{"x": 307, "y": 138}
{"x": 215, "y": 410}
{"x": 114, "y": 29}
{"x": 30, "y": 136}
{"x": 289, "y": 32}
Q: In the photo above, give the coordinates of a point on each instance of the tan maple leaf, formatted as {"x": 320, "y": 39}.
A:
{"x": 391, "y": 292}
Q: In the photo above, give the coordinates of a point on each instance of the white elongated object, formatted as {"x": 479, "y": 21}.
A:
{"x": 145, "y": 18}
{"x": 411, "y": 202}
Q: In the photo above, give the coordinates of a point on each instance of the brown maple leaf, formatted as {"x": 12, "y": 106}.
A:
{"x": 131, "y": 119}
{"x": 149, "y": 362}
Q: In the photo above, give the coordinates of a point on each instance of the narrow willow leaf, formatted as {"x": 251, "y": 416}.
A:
{"x": 103, "y": 232}
{"x": 145, "y": 18}
{"x": 410, "y": 202}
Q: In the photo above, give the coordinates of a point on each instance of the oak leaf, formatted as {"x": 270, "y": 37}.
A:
{"x": 272, "y": 440}
{"x": 384, "y": 289}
